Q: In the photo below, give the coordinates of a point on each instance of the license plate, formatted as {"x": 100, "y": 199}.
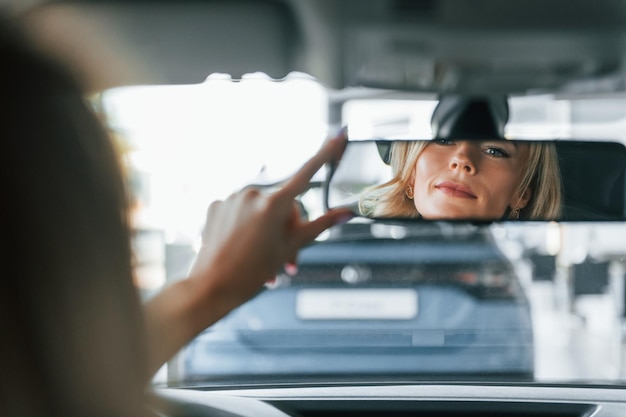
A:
{"x": 356, "y": 304}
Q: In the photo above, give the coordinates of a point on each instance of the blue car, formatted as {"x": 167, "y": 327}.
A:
{"x": 381, "y": 299}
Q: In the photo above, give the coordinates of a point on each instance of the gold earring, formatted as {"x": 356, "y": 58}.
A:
{"x": 514, "y": 214}
{"x": 409, "y": 192}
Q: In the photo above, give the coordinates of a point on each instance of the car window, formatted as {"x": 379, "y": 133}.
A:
{"x": 186, "y": 146}
{"x": 571, "y": 273}
{"x": 518, "y": 302}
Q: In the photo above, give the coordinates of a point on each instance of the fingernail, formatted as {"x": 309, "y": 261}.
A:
{"x": 341, "y": 134}
{"x": 291, "y": 269}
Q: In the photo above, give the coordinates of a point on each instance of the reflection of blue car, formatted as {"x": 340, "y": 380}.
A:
{"x": 366, "y": 302}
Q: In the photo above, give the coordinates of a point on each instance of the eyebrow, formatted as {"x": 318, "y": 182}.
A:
{"x": 513, "y": 142}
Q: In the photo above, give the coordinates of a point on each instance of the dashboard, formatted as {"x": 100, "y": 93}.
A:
{"x": 458, "y": 400}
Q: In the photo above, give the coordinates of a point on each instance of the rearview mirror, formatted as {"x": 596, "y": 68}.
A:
{"x": 481, "y": 180}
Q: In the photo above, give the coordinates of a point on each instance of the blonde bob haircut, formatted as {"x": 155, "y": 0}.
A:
{"x": 542, "y": 177}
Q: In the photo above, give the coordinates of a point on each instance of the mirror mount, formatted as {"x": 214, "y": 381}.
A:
{"x": 470, "y": 117}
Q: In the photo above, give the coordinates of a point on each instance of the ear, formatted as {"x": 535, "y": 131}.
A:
{"x": 519, "y": 202}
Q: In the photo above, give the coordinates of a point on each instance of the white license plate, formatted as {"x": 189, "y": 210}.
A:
{"x": 356, "y": 304}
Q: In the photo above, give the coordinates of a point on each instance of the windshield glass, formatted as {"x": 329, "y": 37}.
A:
{"x": 538, "y": 302}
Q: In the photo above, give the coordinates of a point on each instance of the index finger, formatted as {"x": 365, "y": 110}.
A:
{"x": 300, "y": 180}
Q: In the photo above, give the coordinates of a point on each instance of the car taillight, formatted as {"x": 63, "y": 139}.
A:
{"x": 487, "y": 282}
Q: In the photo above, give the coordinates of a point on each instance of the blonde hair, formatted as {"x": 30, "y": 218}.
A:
{"x": 542, "y": 176}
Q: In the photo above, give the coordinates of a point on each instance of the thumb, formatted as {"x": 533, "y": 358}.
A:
{"x": 312, "y": 229}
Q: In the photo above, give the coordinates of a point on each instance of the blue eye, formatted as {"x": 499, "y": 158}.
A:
{"x": 496, "y": 152}
{"x": 443, "y": 142}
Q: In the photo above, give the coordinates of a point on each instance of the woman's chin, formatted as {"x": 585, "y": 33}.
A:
{"x": 455, "y": 213}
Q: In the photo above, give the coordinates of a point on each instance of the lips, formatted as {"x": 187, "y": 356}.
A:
{"x": 455, "y": 190}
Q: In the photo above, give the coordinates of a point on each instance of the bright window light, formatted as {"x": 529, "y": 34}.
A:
{"x": 189, "y": 145}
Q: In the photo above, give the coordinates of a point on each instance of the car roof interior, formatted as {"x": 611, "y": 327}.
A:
{"x": 428, "y": 46}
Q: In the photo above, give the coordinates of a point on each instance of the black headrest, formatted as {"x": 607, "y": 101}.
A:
{"x": 593, "y": 180}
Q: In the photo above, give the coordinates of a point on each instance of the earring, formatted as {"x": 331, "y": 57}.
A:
{"x": 409, "y": 192}
{"x": 514, "y": 214}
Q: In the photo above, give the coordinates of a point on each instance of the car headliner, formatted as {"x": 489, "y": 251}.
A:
{"x": 429, "y": 46}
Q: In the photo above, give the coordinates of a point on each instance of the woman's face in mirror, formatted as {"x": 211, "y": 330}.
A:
{"x": 469, "y": 179}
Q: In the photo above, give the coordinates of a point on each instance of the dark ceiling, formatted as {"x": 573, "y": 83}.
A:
{"x": 432, "y": 46}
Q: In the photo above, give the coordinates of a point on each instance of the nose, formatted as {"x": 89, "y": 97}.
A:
{"x": 461, "y": 159}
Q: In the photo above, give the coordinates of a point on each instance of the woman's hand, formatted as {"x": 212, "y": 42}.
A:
{"x": 246, "y": 240}
{"x": 251, "y": 235}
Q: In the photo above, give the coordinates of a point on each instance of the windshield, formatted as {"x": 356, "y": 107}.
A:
{"x": 534, "y": 302}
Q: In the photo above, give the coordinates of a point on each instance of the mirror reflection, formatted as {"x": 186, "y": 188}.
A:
{"x": 486, "y": 180}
